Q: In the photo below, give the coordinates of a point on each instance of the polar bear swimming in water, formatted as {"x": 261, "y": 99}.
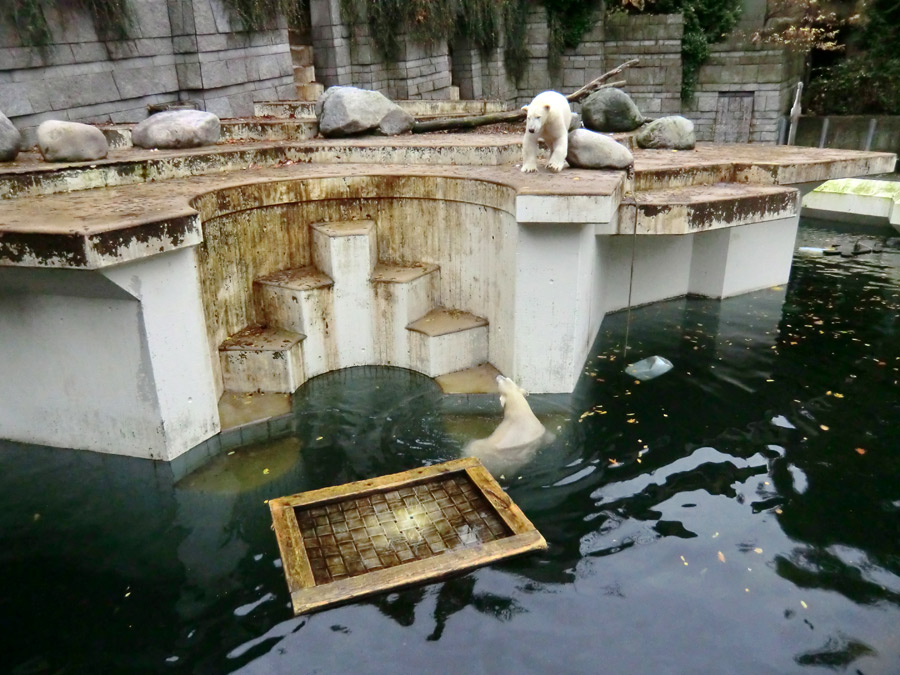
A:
{"x": 548, "y": 119}
{"x": 518, "y": 437}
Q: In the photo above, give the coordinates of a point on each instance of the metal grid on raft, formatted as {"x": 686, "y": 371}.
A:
{"x": 353, "y": 540}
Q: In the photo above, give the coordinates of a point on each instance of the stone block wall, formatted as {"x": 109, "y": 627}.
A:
{"x": 347, "y": 55}
{"x": 765, "y": 76}
{"x": 178, "y": 49}
{"x": 654, "y": 83}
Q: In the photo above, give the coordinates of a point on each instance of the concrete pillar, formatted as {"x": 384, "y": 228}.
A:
{"x": 742, "y": 259}
{"x": 113, "y": 362}
{"x": 557, "y": 311}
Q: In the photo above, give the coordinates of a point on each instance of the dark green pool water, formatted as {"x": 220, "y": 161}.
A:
{"x": 740, "y": 514}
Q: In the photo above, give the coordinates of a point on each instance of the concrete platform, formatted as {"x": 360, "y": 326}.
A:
{"x": 149, "y": 261}
{"x": 854, "y": 200}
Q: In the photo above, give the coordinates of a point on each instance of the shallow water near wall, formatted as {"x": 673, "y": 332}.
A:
{"x": 740, "y": 514}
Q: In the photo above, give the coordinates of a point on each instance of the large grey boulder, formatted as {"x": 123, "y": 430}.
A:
{"x": 347, "y": 111}
{"x": 675, "y": 132}
{"x": 177, "y": 129}
{"x": 611, "y": 110}
{"x": 10, "y": 140}
{"x": 61, "y": 141}
{"x": 590, "y": 150}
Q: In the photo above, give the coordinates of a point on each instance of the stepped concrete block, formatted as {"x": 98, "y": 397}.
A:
{"x": 304, "y": 74}
{"x": 302, "y": 55}
{"x": 402, "y": 294}
{"x": 347, "y": 252}
{"x": 447, "y": 340}
{"x": 262, "y": 359}
{"x": 310, "y": 91}
{"x": 301, "y": 300}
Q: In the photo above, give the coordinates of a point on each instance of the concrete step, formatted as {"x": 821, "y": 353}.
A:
{"x": 302, "y": 55}
{"x": 285, "y": 109}
{"x": 300, "y": 300}
{"x": 305, "y": 107}
{"x": 347, "y": 251}
{"x": 699, "y": 208}
{"x": 262, "y": 359}
{"x": 310, "y": 91}
{"x": 304, "y": 74}
{"x": 402, "y": 293}
{"x": 239, "y": 129}
{"x": 446, "y": 340}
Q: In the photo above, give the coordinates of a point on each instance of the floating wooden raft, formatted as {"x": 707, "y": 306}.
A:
{"x": 349, "y": 541}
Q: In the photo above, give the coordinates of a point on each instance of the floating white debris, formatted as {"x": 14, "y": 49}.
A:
{"x": 647, "y": 369}
{"x": 782, "y": 421}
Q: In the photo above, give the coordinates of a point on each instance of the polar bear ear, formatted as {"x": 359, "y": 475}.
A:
{"x": 546, "y": 106}
{"x": 525, "y": 108}
{"x": 503, "y": 400}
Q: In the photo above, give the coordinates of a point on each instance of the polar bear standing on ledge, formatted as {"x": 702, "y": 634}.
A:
{"x": 518, "y": 437}
{"x": 549, "y": 116}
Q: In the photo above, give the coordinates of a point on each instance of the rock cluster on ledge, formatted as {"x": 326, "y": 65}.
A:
{"x": 675, "y": 132}
{"x": 177, "y": 129}
{"x": 61, "y": 141}
{"x": 348, "y": 111}
{"x": 611, "y": 110}
{"x": 10, "y": 140}
{"x": 590, "y": 150}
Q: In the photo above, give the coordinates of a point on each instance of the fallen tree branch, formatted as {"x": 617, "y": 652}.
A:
{"x": 597, "y": 81}
{"x": 518, "y": 115}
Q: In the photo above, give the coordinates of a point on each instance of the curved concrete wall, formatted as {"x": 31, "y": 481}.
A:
{"x": 466, "y": 227}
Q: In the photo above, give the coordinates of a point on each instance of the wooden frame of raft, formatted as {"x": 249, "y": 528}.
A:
{"x": 349, "y": 541}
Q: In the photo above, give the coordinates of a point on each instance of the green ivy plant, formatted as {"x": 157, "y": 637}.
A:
{"x": 111, "y": 18}
{"x": 567, "y": 21}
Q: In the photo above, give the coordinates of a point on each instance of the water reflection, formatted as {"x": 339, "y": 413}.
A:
{"x": 737, "y": 515}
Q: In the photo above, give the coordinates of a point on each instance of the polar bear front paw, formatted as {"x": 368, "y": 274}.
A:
{"x": 529, "y": 168}
{"x": 556, "y": 166}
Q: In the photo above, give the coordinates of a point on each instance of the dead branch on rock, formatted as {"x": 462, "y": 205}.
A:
{"x": 518, "y": 115}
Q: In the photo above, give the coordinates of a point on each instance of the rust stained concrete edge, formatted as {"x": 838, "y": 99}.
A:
{"x": 117, "y": 225}
{"x": 711, "y": 208}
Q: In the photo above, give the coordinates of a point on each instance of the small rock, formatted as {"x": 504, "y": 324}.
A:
{"x": 347, "y": 111}
{"x": 575, "y": 122}
{"x": 396, "y": 122}
{"x": 61, "y": 141}
{"x": 590, "y": 150}
{"x": 177, "y": 129}
{"x": 675, "y": 132}
{"x": 10, "y": 140}
{"x": 611, "y": 110}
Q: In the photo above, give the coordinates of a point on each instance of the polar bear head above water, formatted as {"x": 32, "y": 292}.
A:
{"x": 517, "y": 438}
{"x": 548, "y": 118}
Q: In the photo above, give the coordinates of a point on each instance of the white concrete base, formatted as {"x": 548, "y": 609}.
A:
{"x": 450, "y": 349}
{"x": 301, "y": 301}
{"x": 273, "y": 365}
{"x": 113, "y": 362}
{"x": 347, "y": 252}
{"x": 401, "y": 297}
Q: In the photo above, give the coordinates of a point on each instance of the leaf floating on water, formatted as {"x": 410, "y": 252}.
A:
{"x": 824, "y": 427}
{"x": 757, "y": 550}
{"x": 860, "y": 451}
{"x": 319, "y": 438}
{"x": 803, "y": 604}
{"x": 721, "y": 556}
{"x": 265, "y": 471}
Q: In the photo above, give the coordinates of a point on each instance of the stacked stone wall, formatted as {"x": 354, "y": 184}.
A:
{"x": 347, "y": 55}
{"x": 178, "y": 49}
{"x": 654, "y": 39}
{"x": 768, "y": 75}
